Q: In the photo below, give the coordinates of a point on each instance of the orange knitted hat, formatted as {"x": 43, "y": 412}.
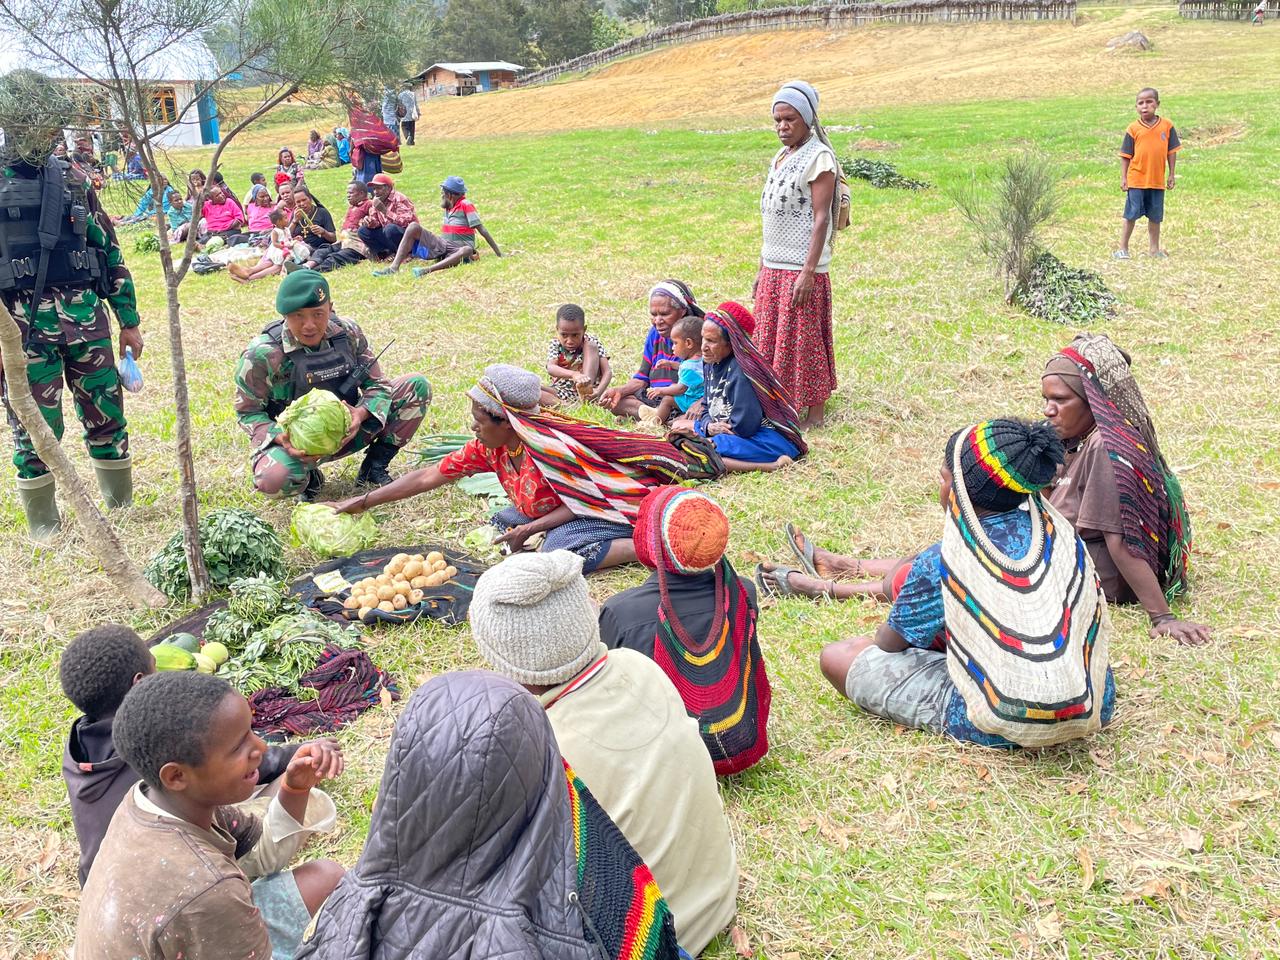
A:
{"x": 681, "y": 528}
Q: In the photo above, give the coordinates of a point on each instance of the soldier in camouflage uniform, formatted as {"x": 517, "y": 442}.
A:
{"x": 69, "y": 340}
{"x": 311, "y": 348}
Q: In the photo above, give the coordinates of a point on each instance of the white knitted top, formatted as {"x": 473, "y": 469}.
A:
{"x": 786, "y": 206}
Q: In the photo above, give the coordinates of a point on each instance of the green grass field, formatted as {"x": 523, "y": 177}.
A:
{"x": 1156, "y": 839}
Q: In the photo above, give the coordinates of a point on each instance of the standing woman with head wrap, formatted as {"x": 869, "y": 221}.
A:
{"x": 799, "y": 207}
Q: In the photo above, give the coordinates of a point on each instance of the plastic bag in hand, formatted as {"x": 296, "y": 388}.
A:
{"x": 130, "y": 373}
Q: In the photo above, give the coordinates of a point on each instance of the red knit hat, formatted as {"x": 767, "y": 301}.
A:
{"x": 683, "y": 528}
{"x": 740, "y": 313}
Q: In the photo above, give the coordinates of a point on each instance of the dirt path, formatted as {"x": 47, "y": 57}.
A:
{"x": 731, "y": 77}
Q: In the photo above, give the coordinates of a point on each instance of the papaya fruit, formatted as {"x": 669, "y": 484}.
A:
{"x": 169, "y": 657}
{"x": 186, "y": 641}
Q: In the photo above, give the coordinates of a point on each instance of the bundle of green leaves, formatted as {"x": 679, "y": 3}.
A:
{"x": 1063, "y": 294}
{"x": 879, "y": 173}
{"x": 235, "y": 543}
{"x": 273, "y": 639}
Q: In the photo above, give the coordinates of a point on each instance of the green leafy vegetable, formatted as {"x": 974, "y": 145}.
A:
{"x": 879, "y": 173}
{"x": 316, "y": 423}
{"x": 323, "y": 530}
{"x": 436, "y": 448}
{"x": 236, "y": 543}
{"x": 279, "y": 654}
{"x": 1064, "y": 294}
{"x": 479, "y": 543}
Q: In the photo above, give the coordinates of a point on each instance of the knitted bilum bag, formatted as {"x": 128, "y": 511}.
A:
{"x": 1026, "y": 639}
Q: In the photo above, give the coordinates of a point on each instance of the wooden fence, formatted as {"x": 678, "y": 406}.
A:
{"x": 1225, "y": 9}
{"x": 838, "y": 16}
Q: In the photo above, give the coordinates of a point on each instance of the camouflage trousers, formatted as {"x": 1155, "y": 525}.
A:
{"x": 89, "y": 370}
{"x": 276, "y": 473}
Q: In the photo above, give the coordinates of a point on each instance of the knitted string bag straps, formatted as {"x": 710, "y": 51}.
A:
{"x": 1026, "y": 639}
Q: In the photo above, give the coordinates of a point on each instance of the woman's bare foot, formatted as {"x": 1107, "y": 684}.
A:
{"x": 778, "y": 464}
{"x": 799, "y": 583}
{"x": 831, "y": 566}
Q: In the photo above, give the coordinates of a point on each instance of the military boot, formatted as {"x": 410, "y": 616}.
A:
{"x": 115, "y": 480}
{"x": 40, "y": 506}
{"x": 311, "y": 490}
{"x": 373, "y": 472}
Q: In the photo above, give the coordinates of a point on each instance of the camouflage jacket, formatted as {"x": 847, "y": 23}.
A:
{"x": 77, "y": 316}
{"x": 264, "y": 376}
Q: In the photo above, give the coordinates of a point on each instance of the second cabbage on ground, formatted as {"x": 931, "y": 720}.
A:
{"x": 316, "y": 423}
{"x": 324, "y": 531}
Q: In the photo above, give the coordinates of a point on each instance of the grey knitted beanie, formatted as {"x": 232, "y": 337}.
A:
{"x": 517, "y": 387}
{"x": 533, "y": 619}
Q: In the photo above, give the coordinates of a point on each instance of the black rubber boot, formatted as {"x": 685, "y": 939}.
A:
{"x": 373, "y": 472}
{"x": 311, "y": 492}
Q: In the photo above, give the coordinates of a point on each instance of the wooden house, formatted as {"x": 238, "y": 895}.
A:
{"x": 461, "y": 79}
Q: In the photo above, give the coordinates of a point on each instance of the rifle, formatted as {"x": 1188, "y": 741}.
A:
{"x": 349, "y": 389}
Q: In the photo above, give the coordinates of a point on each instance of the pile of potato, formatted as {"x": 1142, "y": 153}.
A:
{"x": 401, "y": 584}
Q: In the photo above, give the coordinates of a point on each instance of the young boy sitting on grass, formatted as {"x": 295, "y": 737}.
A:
{"x": 1149, "y": 143}
{"x": 97, "y": 669}
{"x": 686, "y": 343}
{"x": 172, "y": 878}
{"x": 576, "y": 360}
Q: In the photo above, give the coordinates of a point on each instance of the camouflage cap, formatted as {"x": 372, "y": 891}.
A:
{"x": 301, "y": 289}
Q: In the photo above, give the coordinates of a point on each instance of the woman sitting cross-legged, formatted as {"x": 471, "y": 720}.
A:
{"x": 579, "y": 483}
{"x": 999, "y": 635}
{"x": 696, "y": 618}
{"x": 1116, "y": 487}
{"x": 484, "y": 843}
{"x": 745, "y": 411}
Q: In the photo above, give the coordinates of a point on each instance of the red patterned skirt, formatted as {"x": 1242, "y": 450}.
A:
{"x": 797, "y": 343}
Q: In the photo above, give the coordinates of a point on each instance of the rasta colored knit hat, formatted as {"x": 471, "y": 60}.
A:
{"x": 533, "y": 620}
{"x": 1004, "y": 461}
{"x": 300, "y": 290}
{"x": 683, "y": 530}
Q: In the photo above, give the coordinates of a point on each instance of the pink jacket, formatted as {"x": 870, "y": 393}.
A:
{"x": 222, "y": 216}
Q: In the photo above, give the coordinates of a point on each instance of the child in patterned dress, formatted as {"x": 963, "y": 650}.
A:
{"x": 576, "y": 360}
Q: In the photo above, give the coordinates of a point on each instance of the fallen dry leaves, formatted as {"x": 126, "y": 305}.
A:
{"x": 1087, "y": 871}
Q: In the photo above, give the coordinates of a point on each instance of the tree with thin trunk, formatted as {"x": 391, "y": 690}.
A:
{"x": 115, "y": 52}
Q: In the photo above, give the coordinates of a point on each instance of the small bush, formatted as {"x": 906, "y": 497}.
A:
{"x": 879, "y": 173}
{"x": 1007, "y": 216}
{"x": 1065, "y": 294}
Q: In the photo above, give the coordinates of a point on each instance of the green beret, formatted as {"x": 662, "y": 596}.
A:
{"x": 301, "y": 289}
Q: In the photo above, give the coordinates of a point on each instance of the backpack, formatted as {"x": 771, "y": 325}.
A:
{"x": 1027, "y": 640}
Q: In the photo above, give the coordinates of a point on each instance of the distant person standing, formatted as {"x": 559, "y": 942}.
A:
{"x": 799, "y": 208}
{"x": 1149, "y": 143}
{"x": 408, "y": 113}
{"x": 1259, "y": 13}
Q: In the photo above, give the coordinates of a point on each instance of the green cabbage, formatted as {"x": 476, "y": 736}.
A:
{"x": 316, "y": 423}
{"x": 324, "y": 531}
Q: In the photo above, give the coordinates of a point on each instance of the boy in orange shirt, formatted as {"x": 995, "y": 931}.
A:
{"x": 1149, "y": 143}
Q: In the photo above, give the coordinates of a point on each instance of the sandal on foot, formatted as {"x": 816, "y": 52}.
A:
{"x": 805, "y": 555}
{"x": 1121, "y": 255}
{"x": 779, "y": 583}
{"x": 385, "y": 272}
{"x": 1158, "y": 255}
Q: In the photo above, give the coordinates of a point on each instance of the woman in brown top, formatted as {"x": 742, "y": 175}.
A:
{"x": 1116, "y": 488}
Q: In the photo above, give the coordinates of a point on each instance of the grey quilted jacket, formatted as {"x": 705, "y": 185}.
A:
{"x": 470, "y": 853}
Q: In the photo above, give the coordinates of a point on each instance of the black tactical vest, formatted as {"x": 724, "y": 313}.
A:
{"x": 324, "y": 368}
{"x": 55, "y": 204}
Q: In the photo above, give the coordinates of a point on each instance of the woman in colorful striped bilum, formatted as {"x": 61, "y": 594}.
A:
{"x": 578, "y": 483}
{"x": 484, "y": 843}
{"x": 1116, "y": 488}
{"x": 998, "y": 634}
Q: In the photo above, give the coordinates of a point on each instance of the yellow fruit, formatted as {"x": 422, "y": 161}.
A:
{"x": 400, "y": 601}
{"x": 412, "y": 569}
{"x": 418, "y": 582}
{"x": 434, "y": 556}
{"x": 386, "y": 592}
{"x": 386, "y": 606}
